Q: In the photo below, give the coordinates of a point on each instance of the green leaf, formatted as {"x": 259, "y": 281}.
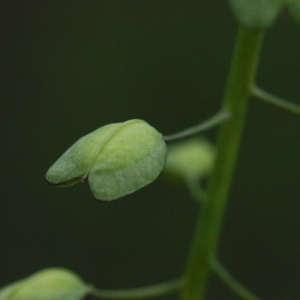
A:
{"x": 48, "y": 284}
{"x": 117, "y": 159}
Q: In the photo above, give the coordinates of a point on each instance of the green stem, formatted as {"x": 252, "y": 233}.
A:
{"x": 231, "y": 282}
{"x": 204, "y": 247}
{"x": 217, "y": 119}
{"x": 160, "y": 289}
{"x": 271, "y": 99}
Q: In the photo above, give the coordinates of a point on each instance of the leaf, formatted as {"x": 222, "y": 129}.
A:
{"x": 116, "y": 159}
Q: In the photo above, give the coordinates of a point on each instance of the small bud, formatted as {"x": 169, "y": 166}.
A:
{"x": 116, "y": 159}
{"x": 192, "y": 159}
{"x": 48, "y": 284}
{"x": 6, "y": 291}
{"x": 256, "y": 14}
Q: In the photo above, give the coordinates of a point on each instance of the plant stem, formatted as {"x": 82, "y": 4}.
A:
{"x": 279, "y": 102}
{"x": 217, "y": 119}
{"x": 160, "y": 289}
{"x": 205, "y": 243}
{"x": 231, "y": 282}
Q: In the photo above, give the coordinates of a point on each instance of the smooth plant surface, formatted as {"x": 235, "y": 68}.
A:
{"x": 116, "y": 159}
{"x": 121, "y": 158}
{"x": 182, "y": 156}
{"x": 48, "y": 284}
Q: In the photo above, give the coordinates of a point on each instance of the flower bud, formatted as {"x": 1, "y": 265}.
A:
{"x": 192, "y": 159}
{"x": 256, "y": 14}
{"x": 116, "y": 159}
{"x": 48, "y": 284}
{"x": 6, "y": 291}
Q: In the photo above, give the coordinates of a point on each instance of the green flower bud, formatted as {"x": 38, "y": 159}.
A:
{"x": 117, "y": 159}
{"x": 48, "y": 284}
{"x": 7, "y": 290}
{"x": 192, "y": 159}
{"x": 256, "y": 14}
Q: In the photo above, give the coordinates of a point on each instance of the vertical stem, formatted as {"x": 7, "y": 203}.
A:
{"x": 205, "y": 243}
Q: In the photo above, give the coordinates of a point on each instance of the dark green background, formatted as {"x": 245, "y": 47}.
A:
{"x": 69, "y": 67}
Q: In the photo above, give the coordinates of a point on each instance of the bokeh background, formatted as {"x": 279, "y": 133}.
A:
{"x": 69, "y": 67}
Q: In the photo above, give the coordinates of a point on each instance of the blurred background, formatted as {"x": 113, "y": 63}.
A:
{"x": 69, "y": 67}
